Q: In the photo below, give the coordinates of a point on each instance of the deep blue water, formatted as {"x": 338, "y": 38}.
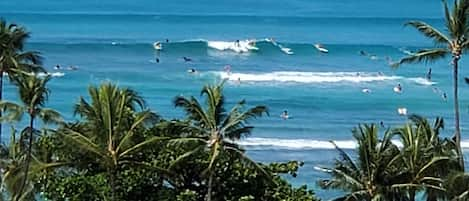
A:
{"x": 112, "y": 40}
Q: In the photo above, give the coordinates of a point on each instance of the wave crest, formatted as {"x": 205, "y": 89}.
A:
{"x": 306, "y": 77}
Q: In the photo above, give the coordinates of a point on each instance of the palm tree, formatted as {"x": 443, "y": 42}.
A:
{"x": 456, "y": 42}
{"x": 12, "y": 164}
{"x": 427, "y": 159}
{"x": 13, "y": 58}
{"x": 371, "y": 176}
{"x": 109, "y": 125}
{"x": 217, "y": 129}
{"x": 33, "y": 93}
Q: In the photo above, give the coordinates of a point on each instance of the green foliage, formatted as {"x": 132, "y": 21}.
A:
{"x": 76, "y": 187}
{"x": 187, "y": 195}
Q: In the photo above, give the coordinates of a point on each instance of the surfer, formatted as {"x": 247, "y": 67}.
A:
{"x": 187, "y": 59}
{"x": 429, "y": 74}
{"x": 284, "y": 115}
{"x": 366, "y": 90}
{"x": 157, "y": 45}
{"x": 321, "y": 48}
{"x": 192, "y": 71}
{"x": 398, "y": 88}
{"x": 237, "y": 43}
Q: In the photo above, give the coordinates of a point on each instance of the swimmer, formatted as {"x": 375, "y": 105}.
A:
{"x": 57, "y": 67}
{"x": 167, "y": 40}
{"x": 284, "y": 115}
{"x": 157, "y": 60}
{"x": 187, "y": 59}
{"x": 398, "y": 88}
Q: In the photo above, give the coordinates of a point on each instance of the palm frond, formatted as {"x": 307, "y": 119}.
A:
{"x": 425, "y": 55}
{"x": 85, "y": 143}
{"x": 429, "y": 31}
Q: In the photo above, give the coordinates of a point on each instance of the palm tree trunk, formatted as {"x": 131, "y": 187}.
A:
{"x": 28, "y": 158}
{"x": 210, "y": 183}
{"x": 457, "y": 130}
{"x": 1, "y": 98}
{"x": 411, "y": 195}
{"x": 112, "y": 180}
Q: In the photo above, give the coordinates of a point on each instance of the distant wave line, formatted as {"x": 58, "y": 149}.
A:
{"x": 315, "y": 77}
{"x": 307, "y": 144}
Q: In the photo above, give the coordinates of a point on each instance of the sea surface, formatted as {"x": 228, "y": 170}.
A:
{"x": 112, "y": 40}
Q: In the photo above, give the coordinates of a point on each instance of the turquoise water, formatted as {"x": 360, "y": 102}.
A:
{"x": 112, "y": 40}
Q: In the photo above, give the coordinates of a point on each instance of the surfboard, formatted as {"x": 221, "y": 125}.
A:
{"x": 321, "y": 49}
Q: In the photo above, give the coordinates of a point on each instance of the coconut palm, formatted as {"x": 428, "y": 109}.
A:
{"x": 454, "y": 43}
{"x": 427, "y": 158}
{"x": 33, "y": 94}
{"x": 218, "y": 128}
{"x": 109, "y": 125}
{"x": 371, "y": 176}
{"x": 13, "y": 58}
{"x": 12, "y": 164}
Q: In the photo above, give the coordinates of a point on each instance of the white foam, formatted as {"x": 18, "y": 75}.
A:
{"x": 306, "y": 77}
{"x": 277, "y": 143}
{"x": 242, "y": 46}
{"x": 54, "y": 74}
{"x": 422, "y": 81}
{"x": 254, "y": 143}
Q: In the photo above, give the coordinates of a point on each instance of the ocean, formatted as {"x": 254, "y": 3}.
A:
{"x": 323, "y": 92}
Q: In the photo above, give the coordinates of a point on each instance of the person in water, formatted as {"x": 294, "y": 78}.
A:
{"x": 157, "y": 60}
{"x": 444, "y": 96}
{"x": 284, "y": 115}
{"x": 398, "y": 88}
{"x": 57, "y": 67}
{"x": 429, "y": 74}
{"x": 167, "y": 40}
{"x": 187, "y": 59}
{"x": 192, "y": 70}
{"x": 237, "y": 43}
